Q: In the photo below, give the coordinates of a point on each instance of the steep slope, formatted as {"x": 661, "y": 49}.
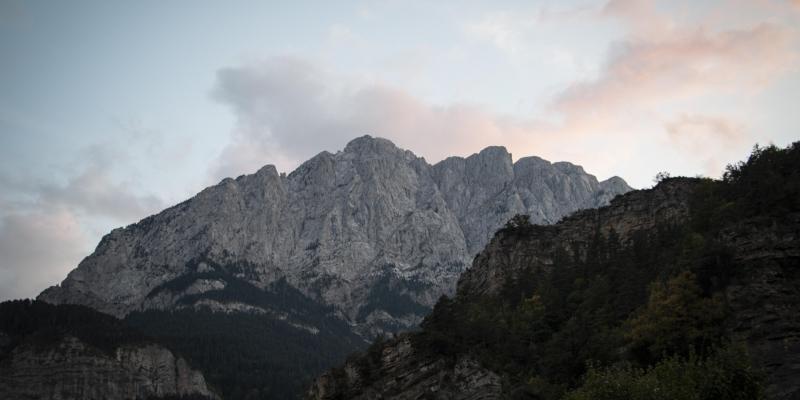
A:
{"x": 66, "y": 352}
{"x": 657, "y": 292}
{"x": 373, "y": 230}
{"x": 433, "y": 363}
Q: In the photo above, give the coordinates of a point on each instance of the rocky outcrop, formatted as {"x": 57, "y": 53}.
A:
{"x": 72, "y": 369}
{"x": 764, "y": 298}
{"x": 372, "y": 230}
{"x": 505, "y": 257}
{"x": 405, "y": 375}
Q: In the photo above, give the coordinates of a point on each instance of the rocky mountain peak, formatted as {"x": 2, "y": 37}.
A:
{"x": 362, "y": 230}
{"x": 268, "y": 170}
{"x": 368, "y": 146}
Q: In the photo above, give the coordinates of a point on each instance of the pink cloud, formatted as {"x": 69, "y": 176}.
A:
{"x": 662, "y": 70}
{"x": 289, "y": 110}
{"x": 684, "y": 66}
{"x": 715, "y": 140}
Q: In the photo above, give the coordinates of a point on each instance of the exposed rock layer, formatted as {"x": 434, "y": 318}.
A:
{"x": 405, "y": 375}
{"x": 71, "y": 369}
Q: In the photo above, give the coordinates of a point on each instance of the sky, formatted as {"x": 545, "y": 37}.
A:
{"x": 111, "y": 111}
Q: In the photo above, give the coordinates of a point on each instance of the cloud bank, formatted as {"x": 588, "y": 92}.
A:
{"x": 47, "y": 227}
{"x": 38, "y": 249}
{"x": 652, "y": 88}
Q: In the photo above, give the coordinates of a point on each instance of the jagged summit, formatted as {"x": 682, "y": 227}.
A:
{"x": 363, "y": 230}
{"x": 368, "y": 143}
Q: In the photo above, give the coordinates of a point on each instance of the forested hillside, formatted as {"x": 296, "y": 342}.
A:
{"x": 685, "y": 291}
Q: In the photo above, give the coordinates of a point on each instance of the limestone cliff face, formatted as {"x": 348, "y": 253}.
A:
{"x": 506, "y": 255}
{"x": 764, "y": 299}
{"x": 72, "y": 369}
{"x": 406, "y": 375}
{"x": 364, "y": 230}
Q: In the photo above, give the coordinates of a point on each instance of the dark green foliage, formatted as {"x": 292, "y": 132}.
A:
{"x": 550, "y": 324}
{"x": 725, "y": 374}
{"x": 45, "y": 324}
{"x": 369, "y": 362}
{"x": 647, "y": 314}
{"x": 393, "y": 296}
{"x": 767, "y": 184}
{"x": 228, "y": 272}
{"x": 367, "y": 365}
{"x": 250, "y": 355}
{"x": 676, "y": 320}
{"x": 247, "y": 355}
{"x": 518, "y": 223}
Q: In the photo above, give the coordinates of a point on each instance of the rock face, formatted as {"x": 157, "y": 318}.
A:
{"x": 505, "y": 256}
{"x": 72, "y": 369}
{"x": 372, "y": 230}
{"x": 404, "y": 375}
{"x": 764, "y": 299}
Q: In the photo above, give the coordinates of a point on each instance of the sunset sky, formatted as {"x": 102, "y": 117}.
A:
{"x": 111, "y": 111}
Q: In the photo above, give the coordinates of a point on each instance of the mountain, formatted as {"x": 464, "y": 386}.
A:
{"x": 373, "y": 230}
{"x": 688, "y": 290}
{"x": 266, "y": 280}
{"x": 73, "y": 352}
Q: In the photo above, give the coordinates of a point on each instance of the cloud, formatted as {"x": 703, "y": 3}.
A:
{"x": 47, "y": 225}
{"x": 93, "y": 192}
{"x": 712, "y": 139}
{"x": 46, "y": 229}
{"x": 662, "y": 68}
{"x": 648, "y": 73}
{"x": 38, "y": 249}
{"x": 287, "y": 110}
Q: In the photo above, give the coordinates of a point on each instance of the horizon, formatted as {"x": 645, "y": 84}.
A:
{"x": 112, "y": 112}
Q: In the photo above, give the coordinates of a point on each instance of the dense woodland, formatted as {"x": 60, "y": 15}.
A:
{"x": 637, "y": 320}
{"x": 242, "y": 356}
{"x": 251, "y": 355}
{"x": 42, "y": 324}
{"x": 248, "y": 356}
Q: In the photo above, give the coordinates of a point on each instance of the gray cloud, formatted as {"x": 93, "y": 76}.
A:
{"x": 47, "y": 226}
{"x": 37, "y": 250}
{"x": 283, "y": 108}
{"x": 287, "y": 110}
{"x": 92, "y": 192}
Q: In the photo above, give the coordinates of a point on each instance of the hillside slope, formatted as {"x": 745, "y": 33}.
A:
{"x": 687, "y": 290}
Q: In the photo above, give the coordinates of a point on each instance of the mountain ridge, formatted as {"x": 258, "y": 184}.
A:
{"x": 334, "y": 226}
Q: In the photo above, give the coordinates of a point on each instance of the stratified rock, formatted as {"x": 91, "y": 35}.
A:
{"x": 406, "y": 375}
{"x": 71, "y": 369}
